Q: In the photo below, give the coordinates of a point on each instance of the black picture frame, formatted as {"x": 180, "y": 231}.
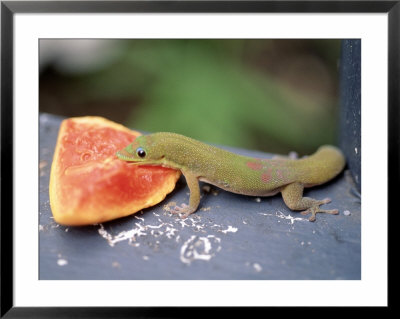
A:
{"x": 10, "y": 8}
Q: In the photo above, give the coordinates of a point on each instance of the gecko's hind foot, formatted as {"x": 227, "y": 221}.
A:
{"x": 316, "y": 209}
{"x": 314, "y": 212}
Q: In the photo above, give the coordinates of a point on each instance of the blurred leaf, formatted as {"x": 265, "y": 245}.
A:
{"x": 212, "y": 97}
{"x": 206, "y": 89}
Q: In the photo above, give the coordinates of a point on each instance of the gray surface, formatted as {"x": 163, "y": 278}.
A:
{"x": 230, "y": 237}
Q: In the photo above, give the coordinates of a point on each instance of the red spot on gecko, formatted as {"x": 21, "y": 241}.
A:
{"x": 266, "y": 177}
{"x": 254, "y": 165}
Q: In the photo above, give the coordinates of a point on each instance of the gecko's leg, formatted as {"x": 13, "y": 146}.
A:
{"x": 292, "y": 195}
{"x": 194, "y": 199}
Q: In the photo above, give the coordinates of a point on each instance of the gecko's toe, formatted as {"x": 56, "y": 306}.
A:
{"x": 305, "y": 212}
{"x": 325, "y": 201}
{"x": 183, "y": 209}
{"x": 179, "y": 209}
{"x": 329, "y": 211}
{"x": 311, "y": 211}
{"x": 175, "y": 210}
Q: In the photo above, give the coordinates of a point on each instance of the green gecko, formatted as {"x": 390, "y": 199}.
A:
{"x": 236, "y": 173}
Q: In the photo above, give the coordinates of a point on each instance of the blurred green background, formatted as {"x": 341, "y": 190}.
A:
{"x": 271, "y": 95}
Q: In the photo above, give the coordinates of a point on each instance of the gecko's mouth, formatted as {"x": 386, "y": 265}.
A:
{"x": 146, "y": 162}
{"x": 125, "y": 157}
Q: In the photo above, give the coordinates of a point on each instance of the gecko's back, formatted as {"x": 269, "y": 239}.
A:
{"x": 246, "y": 175}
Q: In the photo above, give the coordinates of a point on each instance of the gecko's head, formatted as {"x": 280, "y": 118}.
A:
{"x": 142, "y": 151}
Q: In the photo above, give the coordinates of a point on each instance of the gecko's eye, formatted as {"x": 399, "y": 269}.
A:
{"x": 141, "y": 152}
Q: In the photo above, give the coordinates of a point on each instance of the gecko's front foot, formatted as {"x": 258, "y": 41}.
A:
{"x": 184, "y": 209}
{"x": 316, "y": 209}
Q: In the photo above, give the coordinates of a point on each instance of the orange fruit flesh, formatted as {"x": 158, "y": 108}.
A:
{"x": 90, "y": 185}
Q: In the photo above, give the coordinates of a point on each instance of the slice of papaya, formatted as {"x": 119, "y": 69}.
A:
{"x": 90, "y": 185}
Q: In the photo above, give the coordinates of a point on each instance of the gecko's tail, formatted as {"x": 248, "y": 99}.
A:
{"x": 326, "y": 163}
